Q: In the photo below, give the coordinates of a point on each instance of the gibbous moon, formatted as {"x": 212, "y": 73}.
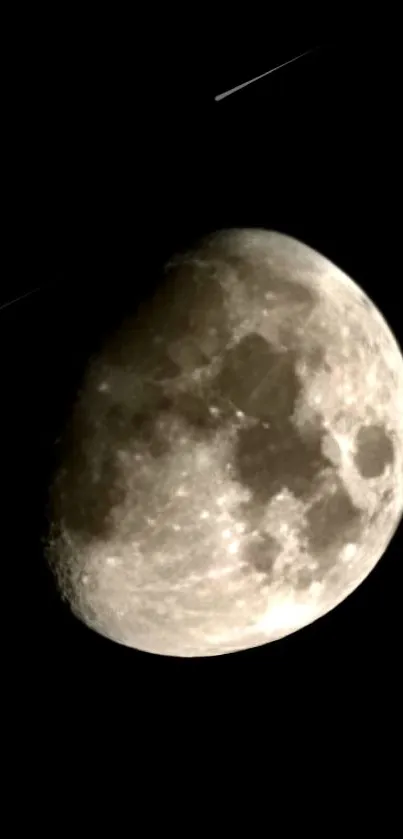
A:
{"x": 233, "y": 466}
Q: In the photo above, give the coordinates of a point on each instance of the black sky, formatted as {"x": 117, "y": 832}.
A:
{"x": 114, "y": 172}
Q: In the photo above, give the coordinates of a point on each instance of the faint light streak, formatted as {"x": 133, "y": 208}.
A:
{"x": 17, "y": 299}
{"x": 256, "y": 78}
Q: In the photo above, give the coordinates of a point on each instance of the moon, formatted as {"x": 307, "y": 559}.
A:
{"x": 233, "y": 465}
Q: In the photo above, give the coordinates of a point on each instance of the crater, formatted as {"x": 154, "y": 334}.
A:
{"x": 315, "y": 357}
{"x": 125, "y": 425}
{"x": 374, "y": 450}
{"x": 145, "y": 429}
{"x": 261, "y": 554}
{"x": 304, "y": 579}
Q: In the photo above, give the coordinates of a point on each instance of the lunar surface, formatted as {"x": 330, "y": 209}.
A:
{"x": 233, "y": 466}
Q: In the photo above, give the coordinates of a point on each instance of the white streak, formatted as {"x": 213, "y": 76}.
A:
{"x": 17, "y": 299}
{"x": 268, "y": 72}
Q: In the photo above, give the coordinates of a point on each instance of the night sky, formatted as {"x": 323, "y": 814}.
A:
{"x": 115, "y": 171}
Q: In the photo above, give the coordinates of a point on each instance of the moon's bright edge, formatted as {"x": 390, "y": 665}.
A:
{"x": 233, "y": 467}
